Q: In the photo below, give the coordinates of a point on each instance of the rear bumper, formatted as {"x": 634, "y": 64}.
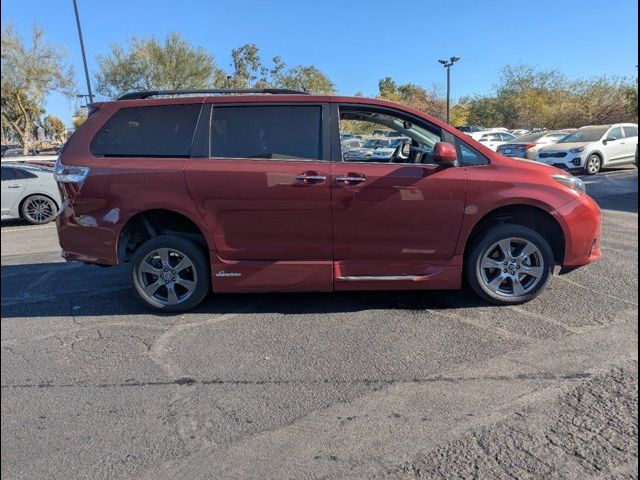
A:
{"x": 581, "y": 220}
{"x": 86, "y": 238}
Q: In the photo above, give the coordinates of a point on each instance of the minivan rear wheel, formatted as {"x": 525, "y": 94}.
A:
{"x": 510, "y": 264}
{"x": 170, "y": 274}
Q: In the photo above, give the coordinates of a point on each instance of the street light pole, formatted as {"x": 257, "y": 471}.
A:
{"x": 84, "y": 56}
{"x": 447, "y": 64}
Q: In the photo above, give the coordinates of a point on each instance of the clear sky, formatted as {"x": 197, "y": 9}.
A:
{"x": 357, "y": 42}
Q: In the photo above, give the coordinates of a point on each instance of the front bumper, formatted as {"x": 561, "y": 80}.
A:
{"x": 581, "y": 221}
{"x": 571, "y": 163}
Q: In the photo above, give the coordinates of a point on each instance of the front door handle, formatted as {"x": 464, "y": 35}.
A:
{"x": 351, "y": 180}
{"x": 14, "y": 186}
{"x": 309, "y": 178}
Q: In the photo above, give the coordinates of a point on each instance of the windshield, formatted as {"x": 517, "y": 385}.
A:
{"x": 585, "y": 135}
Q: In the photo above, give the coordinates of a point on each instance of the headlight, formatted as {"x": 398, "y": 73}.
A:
{"x": 569, "y": 181}
{"x": 577, "y": 150}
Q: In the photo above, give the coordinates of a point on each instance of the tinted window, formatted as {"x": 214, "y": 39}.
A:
{"x": 160, "y": 131}
{"x": 615, "y": 133}
{"x": 630, "y": 131}
{"x": 7, "y": 173}
{"x": 20, "y": 174}
{"x": 278, "y": 132}
{"x": 468, "y": 156}
{"x": 507, "y": 136}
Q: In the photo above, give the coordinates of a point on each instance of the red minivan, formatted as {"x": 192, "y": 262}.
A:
{"x": 251, "y": 191}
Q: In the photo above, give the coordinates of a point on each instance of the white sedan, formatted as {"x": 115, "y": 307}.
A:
{"x": 493, "y": 139}
{"x": 29, "y": 192}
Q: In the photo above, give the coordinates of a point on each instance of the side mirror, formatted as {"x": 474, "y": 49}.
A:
{"x": 445, "y": 154}
{"x": 609, "y": 139}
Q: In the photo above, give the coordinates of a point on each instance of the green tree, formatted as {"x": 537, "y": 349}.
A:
{"x": 54, "y": 128}
{"x": 485, "y": 111}
{"x": 149, "y": 64}
{"x": 414, "y": 96}
{"x": 79, "y": 117}
{"x": 29, "y": 74}
{"x": 249, "y": 71}
{"x": 631, "y": 97}
{"x": 601, "y": 100}
{"x": 530, "y": 97}
{"x": 307, "y": 79}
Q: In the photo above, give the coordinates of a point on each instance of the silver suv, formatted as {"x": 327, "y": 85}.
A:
{"x": 591, "y": 148}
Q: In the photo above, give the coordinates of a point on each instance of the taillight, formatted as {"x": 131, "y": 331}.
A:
{"x": 69, "y": 173}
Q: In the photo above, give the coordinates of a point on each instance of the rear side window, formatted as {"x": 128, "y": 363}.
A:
{"x": 630, "y": 131}
{"x": 266, "y": 132}
{"x": 23, "y": 174}
{"x": 159, "y": 131}
{"x": 7, "y": 173}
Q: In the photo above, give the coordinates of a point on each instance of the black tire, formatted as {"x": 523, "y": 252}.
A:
{"x": 593, "y": 165}
{"x": 38, "y": 209}
{"x": 198, "y": 272}
{"x": 487, "y": 240}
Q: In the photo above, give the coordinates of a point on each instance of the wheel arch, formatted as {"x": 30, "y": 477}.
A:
{"x": 33, "y": 194}
{"x": 152, "y": 222}
{"x": 598, "y": 153}
{"x": 525, "y": 214}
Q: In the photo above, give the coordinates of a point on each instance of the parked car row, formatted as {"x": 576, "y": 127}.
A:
{"x": 586, "y": 149}
{"x": 527, "y": 146}
{"x": 375, "y": 148}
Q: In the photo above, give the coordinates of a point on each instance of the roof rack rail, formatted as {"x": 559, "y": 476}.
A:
{"x": 215, "y": 91}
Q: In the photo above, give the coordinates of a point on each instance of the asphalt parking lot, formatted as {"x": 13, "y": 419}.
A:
{"x": 350, "y": 385}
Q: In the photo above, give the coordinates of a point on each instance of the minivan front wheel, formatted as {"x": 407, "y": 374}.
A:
{"x": 510, "y": 265}
{"x": 170, "y": 274}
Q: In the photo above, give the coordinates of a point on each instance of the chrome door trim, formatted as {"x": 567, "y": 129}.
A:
{"x": 355, "y": 278}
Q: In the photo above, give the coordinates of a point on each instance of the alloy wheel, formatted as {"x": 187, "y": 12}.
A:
{"x": 593, "y": 164}
{"x": 167, "y": 276}
{"x": 39, "y": 210}
{"x": 511, "y": 267}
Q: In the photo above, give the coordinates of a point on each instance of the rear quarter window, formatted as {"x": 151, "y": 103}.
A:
{"x": 267, "y": 132}
{"x": 154, "y": 131}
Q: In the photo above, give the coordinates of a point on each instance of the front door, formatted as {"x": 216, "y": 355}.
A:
{"x": 396, "y": 219}
{"x": 264, "y": 190}
{"x": 615, "y": 150}
{"x": 12, "y": 189}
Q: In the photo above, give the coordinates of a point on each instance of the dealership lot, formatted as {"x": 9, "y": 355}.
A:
{"x": 355, "y": 385}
